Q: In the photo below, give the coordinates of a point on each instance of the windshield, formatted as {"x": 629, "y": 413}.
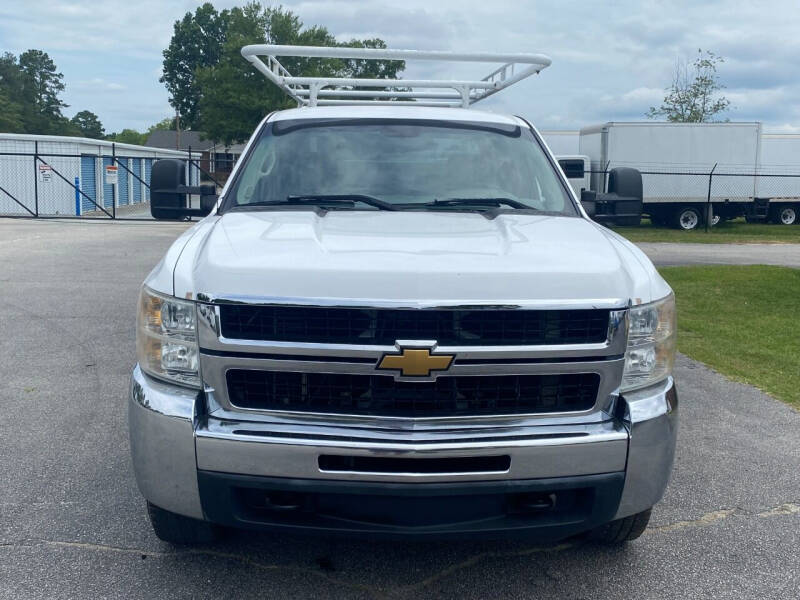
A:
{"x": 410, "y": 164}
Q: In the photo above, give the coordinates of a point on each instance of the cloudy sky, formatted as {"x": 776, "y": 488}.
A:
{"x": 611, "y": 60}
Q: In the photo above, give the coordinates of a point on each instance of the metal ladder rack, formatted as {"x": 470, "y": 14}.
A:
{"x": 318, "y": 91}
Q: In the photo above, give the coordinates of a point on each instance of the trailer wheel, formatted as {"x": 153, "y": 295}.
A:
{"x": 785, "y": 215}
{"x": 687, "y": 218}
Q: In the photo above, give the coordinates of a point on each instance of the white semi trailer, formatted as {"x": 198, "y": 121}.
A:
{"x": 675, "y": 160}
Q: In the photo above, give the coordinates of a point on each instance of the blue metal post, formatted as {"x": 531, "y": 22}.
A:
{"x": 77, "y": 196}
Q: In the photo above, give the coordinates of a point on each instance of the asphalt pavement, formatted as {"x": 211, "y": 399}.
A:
{"x": 73, "y": 525}
{"x": 678, "y": 253}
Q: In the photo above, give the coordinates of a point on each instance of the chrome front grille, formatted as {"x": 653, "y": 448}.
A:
{"x": 380, "y": 395}
{"x": 300, "y": 376}
{"x": 474, "y": 327}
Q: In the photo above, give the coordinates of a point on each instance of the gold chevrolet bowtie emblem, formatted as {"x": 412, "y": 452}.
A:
{"x": 416, "y": 363}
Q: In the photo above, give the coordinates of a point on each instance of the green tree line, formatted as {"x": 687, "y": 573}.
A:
{"x": 30, "y": 102}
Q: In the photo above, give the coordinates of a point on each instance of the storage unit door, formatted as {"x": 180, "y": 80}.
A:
{"x": 148, "y": 169}
{"x": 88, "y": 183}
{"x": 108, "y": 194}
{"x": 122, "y": 186}
{"x": 137, "y": 185}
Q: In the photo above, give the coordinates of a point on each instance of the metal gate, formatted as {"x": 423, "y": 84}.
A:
{"x": 67, "y": 177}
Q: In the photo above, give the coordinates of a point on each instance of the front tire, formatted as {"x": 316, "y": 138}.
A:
{"x": 622, "y": 530}
{"x": 178, "y": 529}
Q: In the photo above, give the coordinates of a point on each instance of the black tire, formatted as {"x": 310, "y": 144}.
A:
{"x": 177, "y": 529}
{"x": 621, "y": 530}
{"x": 786, "y": 214}
{"x": 687, "y": 218}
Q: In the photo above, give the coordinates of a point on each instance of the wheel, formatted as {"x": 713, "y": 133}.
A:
{"x": 621, "y": 530}
{"x": 785, "y": 215}
{"x": 177, "y": 529}
{"x": 687, "y": 218}
{"x": 715, "y": 220}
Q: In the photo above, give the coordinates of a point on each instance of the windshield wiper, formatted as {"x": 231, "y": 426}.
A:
{"x": 495, "y": 202}
{"x": 340, "y": 199}
{"x": 321, "y": 201}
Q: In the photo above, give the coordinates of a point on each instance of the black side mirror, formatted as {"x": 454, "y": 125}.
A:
{"x": 625, "y": 193}
{"x": 589, "y": 202}
{"x": 169, "y": 194}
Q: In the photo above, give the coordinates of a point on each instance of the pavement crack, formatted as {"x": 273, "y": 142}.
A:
{"x": 244, "y": 560}
{"x": 473, "y": 560}
{"x": 788, "y": 508}
{"x": 709, "y": 518}
{"x": 706, "y": 519}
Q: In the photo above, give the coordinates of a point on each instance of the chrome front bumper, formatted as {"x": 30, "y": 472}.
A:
{"x": 172, "y": 440}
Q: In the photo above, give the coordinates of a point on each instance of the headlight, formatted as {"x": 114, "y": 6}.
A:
{"x": 651, "y": 344}
{"x": 166, "y": 338}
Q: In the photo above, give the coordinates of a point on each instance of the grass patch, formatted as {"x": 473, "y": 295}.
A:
{"x": 742, "y": 321}
{"x": 730, "y": 232}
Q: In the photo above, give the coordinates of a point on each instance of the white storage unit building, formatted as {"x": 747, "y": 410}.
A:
{"x": 65, "y": 176}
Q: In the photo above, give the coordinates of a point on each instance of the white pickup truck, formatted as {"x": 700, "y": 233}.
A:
{"x": 398, "y": 320}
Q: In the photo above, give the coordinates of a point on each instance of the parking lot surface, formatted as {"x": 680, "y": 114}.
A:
{"x": 72, "y": 523}
{"x": 668, "y": 254}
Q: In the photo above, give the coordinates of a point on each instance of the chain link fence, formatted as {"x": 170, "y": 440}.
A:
{"x": 110, "y": 183}
{"x": 765, "y": 195}
{"x": 114, "y": 183}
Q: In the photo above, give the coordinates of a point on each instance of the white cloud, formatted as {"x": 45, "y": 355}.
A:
{"x": 783, "y": 128}
{"x": 97, "y": 84}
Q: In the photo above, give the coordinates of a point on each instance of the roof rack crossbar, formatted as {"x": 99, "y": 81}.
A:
{"x": 312, "y": 91}
{"x": 324, "y": 93}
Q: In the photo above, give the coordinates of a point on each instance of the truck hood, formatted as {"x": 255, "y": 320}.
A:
{"x": 410, "y": 258}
